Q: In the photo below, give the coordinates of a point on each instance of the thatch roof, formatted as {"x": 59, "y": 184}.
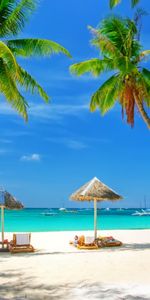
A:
{"x": 95, "y": 190}
{"x": 10, "y": 202}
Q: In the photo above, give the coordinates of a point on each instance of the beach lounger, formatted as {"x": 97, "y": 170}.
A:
{"x": 108, "y": 241}
{"x": 21, "y": 243}
{"x": 86, "y": 242}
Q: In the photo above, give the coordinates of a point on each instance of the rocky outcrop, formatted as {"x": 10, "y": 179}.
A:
{"x": 11, "y": 202}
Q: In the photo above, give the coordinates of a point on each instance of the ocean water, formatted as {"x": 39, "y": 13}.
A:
{"x": 42, "y": 219}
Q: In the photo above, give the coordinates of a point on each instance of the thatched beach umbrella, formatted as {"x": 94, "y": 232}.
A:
{"x": 95, "y": 190}
{"x": 9, "y": 202}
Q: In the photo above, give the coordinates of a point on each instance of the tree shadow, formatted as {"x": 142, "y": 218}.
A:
{"x": 128, "y": 247}
{"x": 26, "y": 289}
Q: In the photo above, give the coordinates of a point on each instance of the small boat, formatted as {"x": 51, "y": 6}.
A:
{"x": 136, "y": 213}
{"x": 107, "y": 208}
{"x": 142, "y": 213}
{"x": 62, "y": 209}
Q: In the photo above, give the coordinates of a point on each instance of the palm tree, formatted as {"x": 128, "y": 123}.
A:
{"x": 122, "y": 54}
{"x": 114, "y": 3}
{"x": 13, "y": 16}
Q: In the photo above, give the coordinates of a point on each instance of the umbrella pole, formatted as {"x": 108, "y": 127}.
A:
{"x": 2, "y": 225}
{"x": 95, "y": 219}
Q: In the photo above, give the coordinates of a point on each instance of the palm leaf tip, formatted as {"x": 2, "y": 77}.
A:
{"x": 92, "y": 105}
{"x": 113, "y": 3}
{"x": 21, "y": 106}
{"x": 134, "y": 2}
{"x": 25, "y": 116}
{"x": 30, "y": 84}
{"x": 74, "y": 69}
{"x": 78, "y": 69}
{"x": 36, "y": 47}
{"x": 53, "y": 47}
{"x": 94, "y": 66}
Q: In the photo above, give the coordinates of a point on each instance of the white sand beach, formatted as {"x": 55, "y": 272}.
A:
{"x": 58, "y": 270}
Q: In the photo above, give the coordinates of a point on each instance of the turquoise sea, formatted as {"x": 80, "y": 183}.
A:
{"x": 42, "y": 219}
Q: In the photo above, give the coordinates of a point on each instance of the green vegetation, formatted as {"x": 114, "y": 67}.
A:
{"x": 13, "y": 16}
{"x": 114, "y": 3}
{"x": 121, "y": 53}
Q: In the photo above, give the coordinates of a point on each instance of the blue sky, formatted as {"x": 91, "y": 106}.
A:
{"x": 64, "y": 145}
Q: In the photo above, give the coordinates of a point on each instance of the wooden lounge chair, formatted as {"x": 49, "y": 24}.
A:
{"x": 86, "y": 243}
{"x": 108, "y": 241}
{"x": 21, "y": 243}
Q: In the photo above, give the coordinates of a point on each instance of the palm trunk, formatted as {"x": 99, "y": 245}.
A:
{"x": 142, "y": 111}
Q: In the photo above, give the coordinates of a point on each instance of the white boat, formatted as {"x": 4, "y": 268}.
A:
{"x": 142, "y": 213}
{"x": 62, "y": 209}
{"x": 145, "y": 212}
{"x": 136, "y": 213}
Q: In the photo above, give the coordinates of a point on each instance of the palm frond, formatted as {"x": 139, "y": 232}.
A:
{"x": 120, "y": 32}
{"x": 20, "y": 105}
{"x": 106, "y": 96}
{"x": 146, "y": 75}
{"x": 17, "y": 13}
{"x": 13, "y": 16}
{"x": 8, "y": 57}
{"x": 125, "y": 65}
{"x": 144, "y": 85}
{"x": 9, "y": 89}
{"x": 114, "y": 3}
{"x": 116, "y": 38}
{"x": 5, "y": 79}
{"x": 134, "y": 2}
{"x": 94, "y": 66}
{"x": 35, "y": 47}
{"x": 111, "y": 36}
{"x": 30, "y": 84}
{"x": 102, "y": 43}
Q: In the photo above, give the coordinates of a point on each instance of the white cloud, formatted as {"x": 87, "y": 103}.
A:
{"x": 31, "y": 157}
{"x": 47, "y": 111}
{"x": 55, "y": 112}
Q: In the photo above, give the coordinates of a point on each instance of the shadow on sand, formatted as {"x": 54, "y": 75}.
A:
{"x": 26, "y": 289}
{"x": 18, "y": 286}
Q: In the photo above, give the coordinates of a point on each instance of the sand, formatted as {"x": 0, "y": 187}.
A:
{"x": 58, "y": 270}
